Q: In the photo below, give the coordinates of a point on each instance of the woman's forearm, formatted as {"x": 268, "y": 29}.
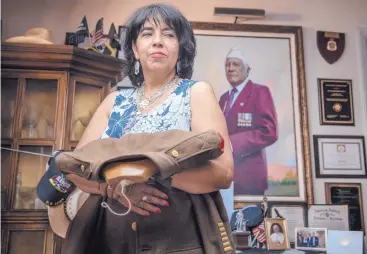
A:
{"x": 212, "y": 177}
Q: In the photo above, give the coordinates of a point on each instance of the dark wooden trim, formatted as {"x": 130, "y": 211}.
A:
{"x": 59, "y": 57}
{"x": 245, "y": 27}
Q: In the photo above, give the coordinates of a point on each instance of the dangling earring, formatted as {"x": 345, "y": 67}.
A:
{"x": 178, "y": 67}
{"x": 137, "y": 67}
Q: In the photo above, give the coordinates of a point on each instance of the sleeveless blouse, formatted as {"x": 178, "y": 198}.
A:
{"x": 173, "y": 113}
{"x": 158, "y": 233}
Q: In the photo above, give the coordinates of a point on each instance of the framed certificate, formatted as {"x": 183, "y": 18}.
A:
{"x": 294, "y": 212}
{"x": 347, "y": 194}
{"x": 339, "y": 156}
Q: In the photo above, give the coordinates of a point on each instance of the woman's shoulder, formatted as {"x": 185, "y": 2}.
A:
{"x": 123, "y": 94}
{"x": 191, "y": 83}
{"x": 200, "y": 87}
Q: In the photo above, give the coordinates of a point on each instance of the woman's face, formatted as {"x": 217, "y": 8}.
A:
{"x": 157, "y": 48}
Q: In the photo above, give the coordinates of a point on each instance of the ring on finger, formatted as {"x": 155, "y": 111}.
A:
{"x": 145, "y": 198}
{"x": 138, "y": 203}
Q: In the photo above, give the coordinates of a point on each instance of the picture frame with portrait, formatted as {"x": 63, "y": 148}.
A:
{"x": 278, "y": 160}
{"x": 312, "y": 239}
{"x": 276, "y": 231}
{"x": 294, "y": 212}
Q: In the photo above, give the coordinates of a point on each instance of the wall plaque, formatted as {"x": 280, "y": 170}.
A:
{"x": 347, "y": 194}
{"x": 336, "y": 102}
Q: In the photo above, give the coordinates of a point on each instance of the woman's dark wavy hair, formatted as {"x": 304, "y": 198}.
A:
{"x": 175, "y": 20}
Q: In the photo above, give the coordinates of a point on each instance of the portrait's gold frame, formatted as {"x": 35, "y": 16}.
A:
{"x": 295, "y": 31}
{"x": 283, "y": 223}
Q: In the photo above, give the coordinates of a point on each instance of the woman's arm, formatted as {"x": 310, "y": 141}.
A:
{"x": 98, "y": 122}
{"x": 206, "y": 115}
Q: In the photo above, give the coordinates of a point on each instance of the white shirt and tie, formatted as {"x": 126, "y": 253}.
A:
{"x": 238, "y": 89}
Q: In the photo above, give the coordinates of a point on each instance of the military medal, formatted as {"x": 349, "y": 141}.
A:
{"x": 244, "y": 119}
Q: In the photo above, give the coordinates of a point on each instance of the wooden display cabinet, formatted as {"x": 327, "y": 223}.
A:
{"x": 48, "y": 95}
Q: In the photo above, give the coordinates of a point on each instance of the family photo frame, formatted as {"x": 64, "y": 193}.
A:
{"x": 277, "y": 234}
{"x": 311, "y": 239}
{"x": 274, "y": 61}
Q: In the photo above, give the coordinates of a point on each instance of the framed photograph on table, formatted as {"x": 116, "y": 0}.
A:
{"x": 347, "y": 194}
{"x": 270, "y": 104}
{"x": 339, "y": 156}
{"x": 294, "y": 212}
{"x": 312, "y": 239}
{"x": 276, "y": 234}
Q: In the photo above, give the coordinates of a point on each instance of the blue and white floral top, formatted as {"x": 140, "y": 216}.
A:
{"x": 173, "y": 113}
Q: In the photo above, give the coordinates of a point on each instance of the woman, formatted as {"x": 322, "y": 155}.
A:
{"x": 160, "y": 48}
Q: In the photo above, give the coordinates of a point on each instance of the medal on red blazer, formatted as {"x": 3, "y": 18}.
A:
{"x": 244, "y": 119}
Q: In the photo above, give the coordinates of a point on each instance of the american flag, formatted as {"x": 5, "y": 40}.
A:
{"x": 259, "y": 232}
{"x": 97, "y": 34}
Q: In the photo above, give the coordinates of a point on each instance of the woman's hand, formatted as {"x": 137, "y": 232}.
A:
{"x": 143, "y": 198}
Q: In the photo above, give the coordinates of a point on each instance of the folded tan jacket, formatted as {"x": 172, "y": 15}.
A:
{"x": 171, "y": 152}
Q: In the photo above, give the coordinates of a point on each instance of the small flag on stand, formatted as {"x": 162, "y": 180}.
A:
{"x": 114, "y": 39}
{"x": 82, "y": 32}
{"x": 97, "y": 34}
{"x": 259, "y": 232}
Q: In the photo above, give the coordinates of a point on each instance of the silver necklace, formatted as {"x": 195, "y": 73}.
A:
{"x": 143, "y": 102}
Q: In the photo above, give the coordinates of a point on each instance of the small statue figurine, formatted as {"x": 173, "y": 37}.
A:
{"x": 239, "y": 220}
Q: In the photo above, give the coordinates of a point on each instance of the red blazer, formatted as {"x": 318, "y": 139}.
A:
{"x": 252, "y": 126}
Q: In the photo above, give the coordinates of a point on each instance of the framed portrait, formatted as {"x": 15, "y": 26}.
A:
{"x": 339, "y": 156}
{"x": 121, "y": 35}
{"x": 257, "y": 73}
{"x": 313, "y": 239}
{"x": 276, "y": 234}
{"x": 294, "y": 212}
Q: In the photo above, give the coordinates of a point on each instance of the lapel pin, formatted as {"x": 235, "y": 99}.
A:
{"x": 241, "y": 104}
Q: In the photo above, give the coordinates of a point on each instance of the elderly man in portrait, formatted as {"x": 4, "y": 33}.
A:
{"x": 252, "y": 125}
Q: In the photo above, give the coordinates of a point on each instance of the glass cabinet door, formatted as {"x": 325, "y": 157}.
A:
{"x": 86, "y": 100}
{"x": 21, "y": 242}
{"x": 30, "y": 169}
{"x": 27, "y": 238}
{"x": 39, "y": 109}
{"x": 9, "y": 88}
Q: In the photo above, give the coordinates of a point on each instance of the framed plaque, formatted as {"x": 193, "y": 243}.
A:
{"x": 347, "y": 194}
{"x": 294, "y": 212}
{"x": 330, "y": 216}
{"x": 336, "y": 102}
{"x": 339, "y": 156}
